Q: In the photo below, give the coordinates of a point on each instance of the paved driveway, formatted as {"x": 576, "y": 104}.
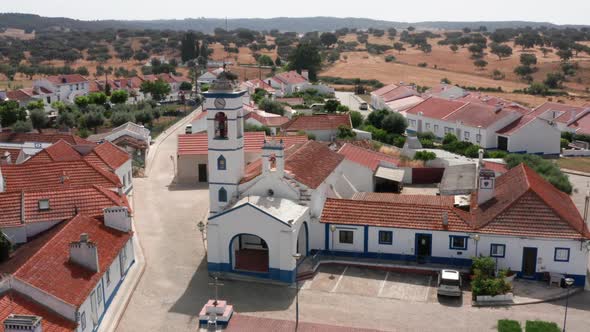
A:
{"x": 348, "y": 99}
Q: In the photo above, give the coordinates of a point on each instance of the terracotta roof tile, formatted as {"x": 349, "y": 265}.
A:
{"x": 312, "y": 163}
{"x": 56, "y": 175}
{"x": 290, "y": 77}
{"x": 269, "y": 121}
{"x": 365, "y": 157}
{"x": 433, "y": 200}
{"x": 59, "y": 151}
{"x": 12, "y": 137}
{"x": 317, "y": 122}
{"x": 111, "y": 155}
{"x": 66, "y": 79}
{"x": 398, "y": 93}
{"x": 436, "y": 108}
{"x": 51, "y": 271}
{"x": 196, "y": 144}
{"x": 478, "y": 114}
{"x": 383, "y": 90}
{"x": 416, "y": 215}
{"x": 15, "y": 303}
{"x": 517, "y": 125}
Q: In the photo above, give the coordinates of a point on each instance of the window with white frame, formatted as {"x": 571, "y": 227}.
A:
{"x": 449, "y": 130}
{"x": 458, "y": 242}
{"x": 346, "y": 237}
{"x": 385, "y": 237}
{"x": 562, "y": 254}
{"x": 436, "y": 128}
{"x": 413, "y": 123}
{"x": 43, "y": 204}
{"x": 466, "y": 135}
{"x": 427, "y": 126}
{"x": 478, "y": 138}
{"x": 497, "y": 250}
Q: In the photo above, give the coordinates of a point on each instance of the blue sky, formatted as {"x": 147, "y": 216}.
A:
{"x": 560, "y": 12}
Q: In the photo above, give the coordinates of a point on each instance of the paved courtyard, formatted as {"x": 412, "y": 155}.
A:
{"x": 175, "y": 284}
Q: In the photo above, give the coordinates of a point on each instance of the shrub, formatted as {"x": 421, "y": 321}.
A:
{"x": 395, "y": 123}
{"x": 425, "y": 155}
{"x": 547, "y": 169}
{"x": 389, "y": 58}
{"x": 564, "y": 143}
{"x": 423, "y": 64}
{"x": 271, "y": 106}
{"x": 541, "y": 326}
{"x": 427, "y": 143}
{"x": 399, "y": 141}
{"x": 356, "y": 118}
{"x": 507, "y": 325}
{"x": 345, "y": 132}
{"x": 428, "y": 135}
{"x": 485, "y": 265}
{"x": 497, "y": 154}
{"x": 449, "y": 138}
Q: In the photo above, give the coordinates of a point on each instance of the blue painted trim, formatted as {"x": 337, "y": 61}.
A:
{"x": 110, "y": 300}
{"x": 128, "y": 190}
{"x": 222, "y": 195}
{"x": 465, "y": 238}
{"x": 499, "y": 245}
{"x": 451, "y": 261}
{"x": 385, "y": 243}
{"x": 327, "y": 237}
{"x": 561, "y": 260}
{"x": 340, "y": 230}
{"x": 579, "y": 279}
{"x": 416, "y": 236}
{"x": 366, "y": 240}
{"x": 254, "y": 207}
{"x": 221, "y": 163}
{"x": 522, "y": 265}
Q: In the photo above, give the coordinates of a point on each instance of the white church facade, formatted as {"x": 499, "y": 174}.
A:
{"x": 307, "y": 198}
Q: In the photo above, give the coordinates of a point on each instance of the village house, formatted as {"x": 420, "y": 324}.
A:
{"x": 290, "y": 82}
{"x": 209, "y": 76}
{"x": 64, "y": 87}
{"x": 133, "y": 138}
{"x": 324, "y": 127}
{"x": 391, "y": 93}
{"x": 567, "y": 118}
{"x": 307, "y": 198}
{"x": 505, "y": 127}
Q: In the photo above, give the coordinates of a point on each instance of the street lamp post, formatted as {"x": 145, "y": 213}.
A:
{"x": 568, "y": 283}
{"x": 332, "y": 230}
{"x": 201, "y": 227}
{"x": 297, "y": 257}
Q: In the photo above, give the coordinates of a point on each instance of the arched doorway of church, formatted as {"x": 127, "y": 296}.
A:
{"x": 249, "y": 253}
{"x": 303, "y": 240}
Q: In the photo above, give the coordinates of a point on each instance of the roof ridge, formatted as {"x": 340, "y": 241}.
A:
{"x": 456, "y": 110}
{"x": 109, "y": 175}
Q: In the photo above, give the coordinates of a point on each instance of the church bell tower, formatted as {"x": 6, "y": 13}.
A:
{"x": 225, "y": 131}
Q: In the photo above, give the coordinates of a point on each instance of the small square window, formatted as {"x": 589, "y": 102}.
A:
{"x": 478, "y": 138}
{"x": 562, "y": 255}
{"x": 428, "y": 126}
{"x": 458, "y": 242}
{"x": 498, "y": 250}
{"x": 435, "y": 128}
{"x": 466, "y": 134}
{"x": 346, "y": 236}
{"x": 385, "y": 237}
{"x": 43, "y": 204}
{"x": 83, "y": 320}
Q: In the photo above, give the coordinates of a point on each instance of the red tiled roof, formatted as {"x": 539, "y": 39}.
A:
{"x": 133, "y": 142}
{"x": 14, "y": 153}
{"x": 18, "y": 95}
{"x": 269, "y": 121}
{"x": 60, "y": 151}
{"x": 56, "y": 175}
{"x": 436, "y": 108}
{"x": 111, "y": 155}
{"x": 415, "y": 215}
{"x": 312, "y": 163}
{"x": 259, "y": 84}
{"x": 581, "y": 125}
{"x": 566, "y": 110}
{"x": 496, "y": 167}
{"x": 12, "y": 302}
{"x": 51, "y": 271}
{"x": 290, "y": 77}
{"x": 66, "y": 79}
{"x": 477, "y": 114}
{"x": 12, "y": 137}
{"x": 517, "y": 125}
{"x": 398, "y": 93}
{"x": 434, "y": 200}
{"x": 365, "y": 157}
{"x": 196, "y": 144}
{"x": 383, "y": 90}
{"x": 317, "y": 122}
{"x": 63, "y": 204}
{"x": 525, "y": 204}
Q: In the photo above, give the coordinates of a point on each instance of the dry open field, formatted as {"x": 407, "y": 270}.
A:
{"x": 17, "y": 33}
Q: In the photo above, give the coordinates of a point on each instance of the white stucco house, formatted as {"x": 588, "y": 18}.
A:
{"x": 307, "y": 198}
{"x": 65, "y": 87}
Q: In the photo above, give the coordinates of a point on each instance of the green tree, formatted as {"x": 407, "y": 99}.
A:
{"x": 265, "y": 60}
{"x": 188, "y": 47}
{"x": 399, "y": 47}
{"x": 119, "y": 97}
{"x": 375, "y": 118}
{"x": 356, "y": 118}
{"x": 157, "y": 89}
{"x": 39, "y": 119}
{"x": 554, "y": 80}
{"x": 185, "y": 86}
{"x": 306, "y": 56}
{"x": 331, "y": 105}
{"x": 501, "y": 50}
{"x": 424, "y": 155}
{"x": 121, "y": 118}
{"x": 528, "y": 59}
{"x": 66, "y": 119}
{"x": 271, "y": 106}
{"x": 36, "y": 105}
{"x": 144, "y": 117}
{"x": 454, "y": 48}
{"x": 82, "y": 101}
{"x": 523, "y": 71}
{"x": 480, "y": 63}
{"x": 345, "y": 132}
{"x": 22, "y": 126}
{"x": 9, "y": 113}
{"x": 537, "y": 88}
{"x": 395, "y": 123}
{"x": 93, "y": 120}
{"x": 426, "y": 48}
{"x": 328, "y": 39}
{"x": 565, "y": 55}
{"x": 546, "y": 168}
{"x": 97, "y": 98}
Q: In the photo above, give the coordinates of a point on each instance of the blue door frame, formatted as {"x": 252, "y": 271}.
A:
{"x": 429, "y": 238}
{"x": 533, "y": 275}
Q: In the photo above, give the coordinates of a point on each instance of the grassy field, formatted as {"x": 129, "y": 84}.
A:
{"x": 581, "y": 164}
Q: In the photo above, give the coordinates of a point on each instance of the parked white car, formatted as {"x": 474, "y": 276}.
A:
{"x": 449, "y": 283}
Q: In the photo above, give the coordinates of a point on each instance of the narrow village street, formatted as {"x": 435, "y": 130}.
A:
{"x": 175, "y": 284}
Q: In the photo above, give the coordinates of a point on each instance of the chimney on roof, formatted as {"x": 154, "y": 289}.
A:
{"x": 273, "y": 157}
{"x": 117, "y": 217}
{"x": 486, "y": 185}
{"x": 20, "y": 323}
{"x": 305, "y": 74}
{"x": 6, "y": 158}
{"x": 85, "y": 253}
{"x": 445, "y": 219}
{"x": 480, "y": 153}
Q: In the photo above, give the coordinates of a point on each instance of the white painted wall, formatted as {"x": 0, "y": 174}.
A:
{"x": 360, "y": 176}
{"x": 124, "y": 172}
{"x": 537, "y": 136}
{"x": 45, "y": 299}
